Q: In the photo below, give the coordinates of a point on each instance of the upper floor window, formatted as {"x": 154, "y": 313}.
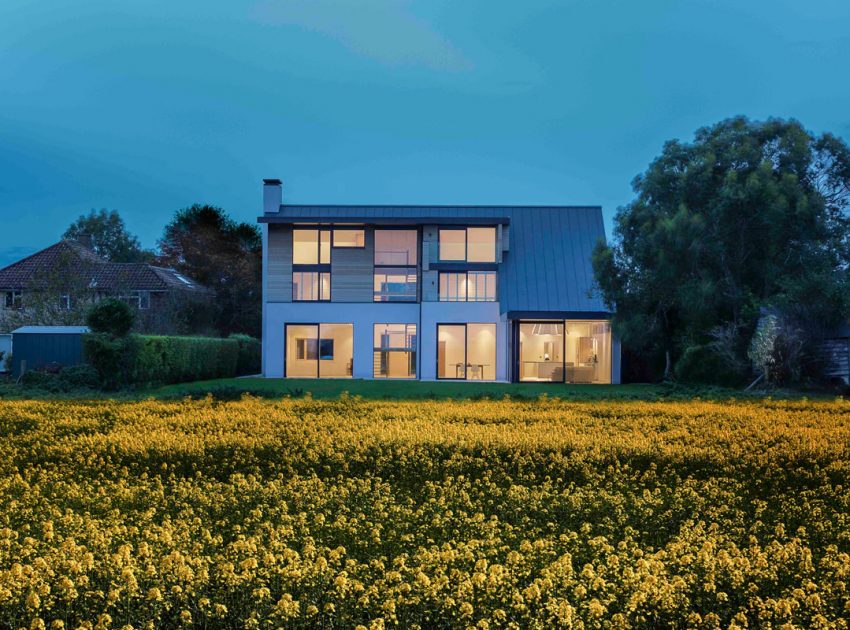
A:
{"x": 14, "y": 299}
{"x": 395, "y": 265}
{"x": 311, "y": 286}
{"x": 471, "y": 286}
{"x": 66, "y": 302}
{"x": 472, "y": 244}
{"x": 311, "y": 247}
{"x": 395, "y": 248}
{"x": 349, "y": 238}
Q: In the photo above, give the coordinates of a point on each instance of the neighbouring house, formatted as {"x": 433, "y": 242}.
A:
{"x": 481, "y": 293}
{"x": 55, "y": 287}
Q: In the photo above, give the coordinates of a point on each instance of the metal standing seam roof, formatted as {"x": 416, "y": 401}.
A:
{"x": 548, "y": 265}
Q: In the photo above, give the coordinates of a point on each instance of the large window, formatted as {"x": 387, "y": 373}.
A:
{"x": 349, "y": 238}
{"x": 395, "y": 351}
{"x": 311, "y": 265}
{"x": 395, "y": 266}
{"x": 572, "y": 351}
{"x": 466, "y": 351}
{"x": 311, "y": 286}
{"x": 311, "y": 247}
{"x": 468, "y": 286}
{"x": 473, "y": 244}
{"x": 319, "y": 350}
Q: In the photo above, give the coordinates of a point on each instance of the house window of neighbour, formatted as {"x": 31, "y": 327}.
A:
{"x": 349, "y": 238}
{"x": 311, "y": 286}
{"x": 137, "y": 299}
{"x": 14, "y": 299}
{"x": 468, "y": 286}
{"x": 472, "y": 244}
{"x": 311, "y": 247}
{"x": 319, "y": 350}
{"x": 395, "y": 351}
{"x": 396, "y": 272}
{"x": 66, "y": 302}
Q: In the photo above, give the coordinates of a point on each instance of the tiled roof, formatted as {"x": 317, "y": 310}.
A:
{"x": 96, "y": 272}
{"x": 548, "y": 267}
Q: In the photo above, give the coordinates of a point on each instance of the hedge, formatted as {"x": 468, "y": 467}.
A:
{"x": 149, "y": 359}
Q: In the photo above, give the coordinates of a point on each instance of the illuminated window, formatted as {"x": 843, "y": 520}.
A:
{"x": 349, "y": 238}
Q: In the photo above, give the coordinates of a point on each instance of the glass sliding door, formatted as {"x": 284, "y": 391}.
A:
{"x": 319, "y": 350}
{"x": 588, "y": 351}
{"x": 466, "y": 351}
{"x": 541, "y": 352}
{"x": 302, "y": 350}
{"x": 395, "y": 351}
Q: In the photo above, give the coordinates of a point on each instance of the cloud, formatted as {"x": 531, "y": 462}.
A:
{"x": 386, "y": 31}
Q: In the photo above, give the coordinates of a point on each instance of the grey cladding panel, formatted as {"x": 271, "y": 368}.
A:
{"x": 280, "y": 264}
{"x": 352, "y": 270}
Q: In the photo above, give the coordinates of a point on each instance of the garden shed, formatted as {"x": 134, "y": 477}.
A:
{"x": 39, "y": 347}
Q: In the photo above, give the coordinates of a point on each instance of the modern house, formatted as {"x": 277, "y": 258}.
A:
{"x": 483, "y": 293}
{"x": 54, "y": 286}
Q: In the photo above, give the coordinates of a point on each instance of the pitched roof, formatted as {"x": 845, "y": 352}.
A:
{"x": 98, "y": 273}
{"x": 548, "y": 267}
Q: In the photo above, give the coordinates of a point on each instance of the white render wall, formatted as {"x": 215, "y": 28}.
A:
{"x": 362, "y": 315}
{"x": 425, "y": 315}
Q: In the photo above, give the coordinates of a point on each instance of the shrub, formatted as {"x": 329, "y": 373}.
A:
{"x": 79, "y": 377}
{"x": 250, "y": 353}
{"x": 110, "y": 317}
{"x": 151, "y": 359}
{"x": 704, "y": 364}
{"x": 109, "y": 357}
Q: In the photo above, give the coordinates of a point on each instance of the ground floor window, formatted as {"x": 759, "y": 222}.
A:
{"x": 319, "y": 350}
{"x": 395, "y": 351}
{"x": 571, "y": 351}
{"x": 466, "y": 351}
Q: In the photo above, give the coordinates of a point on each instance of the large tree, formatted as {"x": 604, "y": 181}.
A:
{"x": 105, "y": 232}
{"x": 748, "y": 215}
{"x": 205, "y": 243}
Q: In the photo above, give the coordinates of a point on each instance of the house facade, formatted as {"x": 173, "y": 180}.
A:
{"x": 485, "y": 293}
{"x": 56, "y": 286}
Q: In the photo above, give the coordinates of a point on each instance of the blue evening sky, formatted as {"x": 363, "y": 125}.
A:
{"x": 149, "y": 106}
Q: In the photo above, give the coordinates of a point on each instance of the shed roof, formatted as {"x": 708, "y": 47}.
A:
{"x": 50, "y": 330}
{"x": 548, "y": 267}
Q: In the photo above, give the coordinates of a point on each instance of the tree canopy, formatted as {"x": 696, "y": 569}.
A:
{"x": 108, "y": 236}
{"x": 749, "y": 215}
{"x": 206, "y": 244}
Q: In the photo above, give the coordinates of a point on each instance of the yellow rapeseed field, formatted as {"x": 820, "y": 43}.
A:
{"x": 483, "y": 514}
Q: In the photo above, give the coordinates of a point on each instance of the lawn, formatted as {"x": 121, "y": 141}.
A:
{"x": 447, "y": 390}
{"x": 347, "y": 512}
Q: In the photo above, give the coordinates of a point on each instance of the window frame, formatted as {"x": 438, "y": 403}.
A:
{"x": 465, "y": 274}
{"x": 14, "y": 299}
{"x": 440, "y": 245}
{"x": 319, "y": 340}
{"x": 141, "y": 298}
{"x": 466, "y": 349}
{"x": 414, "y": 350}
{"x": 465, "y": 259}
{"x": 320, "y": 272}
{"x": 319, "y": 230}
{"x": 412, "y": 270}
{"x": 334, "y": 244}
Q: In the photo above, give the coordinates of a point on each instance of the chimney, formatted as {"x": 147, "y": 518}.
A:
{"x": 85, "y": 240}
{"x": 272, "y": 195}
